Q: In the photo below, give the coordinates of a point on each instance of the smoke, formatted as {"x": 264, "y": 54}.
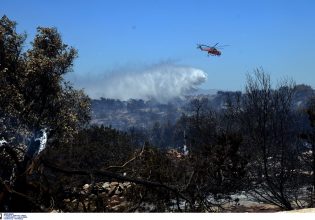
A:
{"x": 161, "y": 82}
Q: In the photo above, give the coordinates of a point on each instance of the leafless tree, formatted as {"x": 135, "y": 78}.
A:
{"x": 268, "y": 124}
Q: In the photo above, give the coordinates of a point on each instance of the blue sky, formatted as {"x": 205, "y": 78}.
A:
{"x": 277, "y": 35}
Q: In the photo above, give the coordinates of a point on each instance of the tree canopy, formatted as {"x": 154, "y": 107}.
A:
{"x": 33, "y": 92}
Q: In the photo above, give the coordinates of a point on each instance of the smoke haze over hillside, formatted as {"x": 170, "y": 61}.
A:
{"x": 162, "y": 82}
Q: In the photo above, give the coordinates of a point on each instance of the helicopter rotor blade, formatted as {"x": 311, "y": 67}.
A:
{"x": 216, "y": 44}
{"x": 221, "y": 46}
{"x": 201, "y": 46}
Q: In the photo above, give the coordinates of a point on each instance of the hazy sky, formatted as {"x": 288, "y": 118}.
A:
{"x": 278, "y": 35}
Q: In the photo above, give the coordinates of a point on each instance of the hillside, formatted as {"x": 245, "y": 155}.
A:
{"x": 123, "y": 115}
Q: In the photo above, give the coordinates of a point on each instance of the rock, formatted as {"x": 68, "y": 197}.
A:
{"x": 82, "y": 192}
{"x": 98, "y": 185}
{"x": 114, "y": 184}
{"x": 86, "y": 186}
{"x": 116, "y": 208}
{"x": 103, "y": 194}
{"x": 112, "y": 191}
{"x": 92, "y": 196}
{"x": 80, "y": 207}
{"x": 115, "y": 197}
{"x": 125, "y": 184}
{"x": 56, "y": 211}
{"x": 114, "y": 202}
{"x": 66, "y": 200}
{"x": 93, "y": 208}
{"x": 118, "y": 191}
{"x": 120, "y": 207}
{"x": 86, "y": 201}
{"x": 307, "y": 210}
{"x": 106, "y": 185}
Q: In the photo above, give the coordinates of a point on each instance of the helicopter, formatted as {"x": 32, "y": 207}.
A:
{"x": 213, "y": 51}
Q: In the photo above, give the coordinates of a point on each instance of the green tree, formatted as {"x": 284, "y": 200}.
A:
{"x": 34, "y": 94}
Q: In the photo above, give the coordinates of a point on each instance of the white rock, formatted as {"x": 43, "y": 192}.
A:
{"x": 118, "y": 191}
{"x": 2, "y": 142}
{"x": 86, "y": 186}
{"x": 114, "y": 184}
{"x": 105, "y": 185}
{"x": 126, "y": 184}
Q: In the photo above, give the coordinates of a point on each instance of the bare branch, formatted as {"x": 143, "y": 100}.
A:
{"x": 129, "y": 161}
